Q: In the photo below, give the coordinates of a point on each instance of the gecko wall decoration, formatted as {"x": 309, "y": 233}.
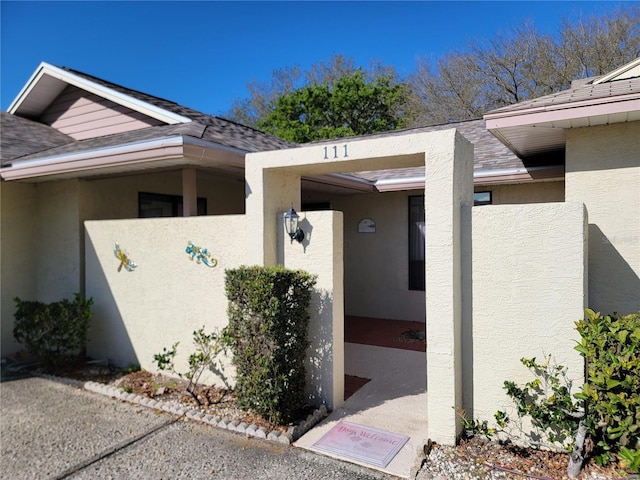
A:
{"x": 201, "y": 255}
{"x": 128, "y": 264}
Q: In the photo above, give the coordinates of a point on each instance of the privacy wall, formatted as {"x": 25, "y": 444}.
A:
{"x": 168, "y": 294}
{"x": 528, "y": 288}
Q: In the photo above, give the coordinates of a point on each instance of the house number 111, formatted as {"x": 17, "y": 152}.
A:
{"x": 335, "y": 151}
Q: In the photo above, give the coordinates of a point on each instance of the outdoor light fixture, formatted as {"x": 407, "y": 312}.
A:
{"x": 291, "y": 225}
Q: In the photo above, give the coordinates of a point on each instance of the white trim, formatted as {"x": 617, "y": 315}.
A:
{"x": 99, "y": 152}
{"x": 100, "y": 90}
{"x": 198, "y": 142}
{"x": 616, "y": 73}
{"x": 395, "y": 181}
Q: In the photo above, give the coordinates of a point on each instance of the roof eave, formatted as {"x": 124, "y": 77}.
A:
{"x": 174, "y": 151}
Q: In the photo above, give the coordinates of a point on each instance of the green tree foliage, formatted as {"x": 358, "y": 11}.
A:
{"x": 264, "y": 96}
{"x": 351, "y": 106}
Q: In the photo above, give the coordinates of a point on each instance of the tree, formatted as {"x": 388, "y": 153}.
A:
{"x": 263, "y": 96}
{"x": 348, "y": 105}
{"x": 520, "y": 65}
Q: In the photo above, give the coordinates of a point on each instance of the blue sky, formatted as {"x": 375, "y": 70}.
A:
{"x": 202, "y": 54}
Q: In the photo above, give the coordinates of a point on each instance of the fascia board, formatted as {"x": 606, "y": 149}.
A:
{"x": 100, "y": 90}
{"x": 24, "y": 92}
{"x": 616, "y": 73}
{"x": 571, "y": 111}
{"x": 489, "y": 177}
{"x": 140, "y": 152}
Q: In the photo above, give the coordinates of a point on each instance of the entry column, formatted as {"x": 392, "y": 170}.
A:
{"x": 448, "y": 187}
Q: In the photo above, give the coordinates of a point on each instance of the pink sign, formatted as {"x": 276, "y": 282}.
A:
{"x": 366, "y": 444}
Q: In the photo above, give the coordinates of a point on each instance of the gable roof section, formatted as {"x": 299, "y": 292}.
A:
{"x": 538, "y": 126}
{"x": 185, "y": 128}
{"x": 183, "y": 125}
{"x": 48, "y": 81}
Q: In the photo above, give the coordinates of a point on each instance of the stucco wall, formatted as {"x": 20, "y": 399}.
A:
{"x": 118, "y": 197}
{"x": 18, "y": 210}
{"x": 321, "y": 253}
{"x": 59, "y": 223}
{"x": 603, "y": 172}
{"x": 528, "y": 289}
{"x": 539, "y": 192}
{"x": 168, "y": 296}
{"x": 376, "y": 264}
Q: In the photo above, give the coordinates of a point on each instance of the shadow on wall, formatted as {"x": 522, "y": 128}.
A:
{"x": 106, "y": 326}
{"x": 613, "y": 285}
{"x": 466, "y": 268}
{"x": 320, "y": 353}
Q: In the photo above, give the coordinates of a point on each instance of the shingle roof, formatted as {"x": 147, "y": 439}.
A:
{"x": 219, "y": 130}
{"x": 20, "y": 136}
{"x": 489, "y": 152}
{"x": 577, "y": 93}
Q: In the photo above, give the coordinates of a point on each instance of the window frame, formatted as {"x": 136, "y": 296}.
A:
{"x": 416, "y": 267}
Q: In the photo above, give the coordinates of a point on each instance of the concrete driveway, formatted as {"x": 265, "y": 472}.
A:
{"x": 49, "y": 430}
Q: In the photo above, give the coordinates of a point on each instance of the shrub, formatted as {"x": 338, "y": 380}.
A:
{"x": 547, "y": 400}
{"x": 268, "y": 332}
{"x": 53, "y": 332}
{"x": 208, "y": 347}
{"x": 611, "y": 348}
{"x": 611, "y": 415}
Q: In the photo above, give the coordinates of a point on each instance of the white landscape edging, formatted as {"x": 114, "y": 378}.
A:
{"x": 233, "y": 425}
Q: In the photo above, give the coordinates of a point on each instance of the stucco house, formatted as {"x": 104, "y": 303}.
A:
{"x": 389, "y": 220}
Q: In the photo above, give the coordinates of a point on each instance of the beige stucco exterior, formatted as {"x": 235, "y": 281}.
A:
{"x": 538, "y": 192}
{"x": 376, "y": 264}
{"x": 118, "y": 197}
{"x": 528, "y": 289}
{"x": 18, "y": 254}
{"x": 168, "y": 295}
{"x": 603, "y": 172}
{"x": 321, "y": 253}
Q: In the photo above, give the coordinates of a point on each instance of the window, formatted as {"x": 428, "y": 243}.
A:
{"x": 416, "y": 242}
{"x": 416, "y": 236}
{"x": 482, "y": 198}
{"x": 152, "y": 205}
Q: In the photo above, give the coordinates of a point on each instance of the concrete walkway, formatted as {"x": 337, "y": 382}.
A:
{"x": 49, "y": 430}
{"x": 395, "y": 400}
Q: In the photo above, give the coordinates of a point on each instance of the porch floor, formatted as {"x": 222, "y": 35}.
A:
{"x": 395, "y": 398}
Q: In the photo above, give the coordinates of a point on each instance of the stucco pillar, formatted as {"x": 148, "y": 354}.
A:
{"x": 321, "y": 253}
{"x": 448, "y": 187}
{"x": 189, "y": 193}
{"x": 269, "y": 193}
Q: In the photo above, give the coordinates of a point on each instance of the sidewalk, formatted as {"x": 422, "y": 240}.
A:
{"x": 50, "y": 430}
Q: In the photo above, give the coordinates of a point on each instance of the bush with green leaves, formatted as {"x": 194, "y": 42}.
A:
{"x": 548, "y": 402}
{"x": 610, "y": 345}
{"x": 606, "y": 410}
{"x": 268, "y": 332}
{"x": 208, "y": 348}
{"x": 53, "y": 332}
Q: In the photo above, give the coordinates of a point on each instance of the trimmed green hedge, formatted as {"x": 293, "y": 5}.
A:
{"x": 53, "y": 332}
{"x": 268, "y": 334}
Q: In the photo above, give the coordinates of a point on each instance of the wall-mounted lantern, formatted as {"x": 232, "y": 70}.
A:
{"x": 291, "y": 225}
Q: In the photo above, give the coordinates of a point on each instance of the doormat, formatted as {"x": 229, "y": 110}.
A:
{"x": 366, "y": 444}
